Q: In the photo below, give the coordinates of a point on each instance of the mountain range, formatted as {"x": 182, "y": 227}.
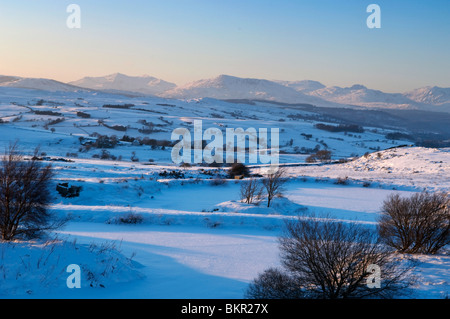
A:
{"x": 226, "y": 87}
{"x": 118, "y": 82}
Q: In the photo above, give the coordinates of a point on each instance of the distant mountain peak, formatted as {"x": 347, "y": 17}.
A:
{"x": 304, "y": 86}
{"x": 431, "y": 95}
{"x": 232, "y": 87}
{"x": 37, "y": 84}
{"x": 358, "y": 87}
{"x": 144, "y": 84}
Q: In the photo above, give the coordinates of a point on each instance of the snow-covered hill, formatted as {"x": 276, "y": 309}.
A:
{"x": 430, "y": 95}
{"x": 226, "y": 87}
{"x": 361, "y": 95}
{"x": 230, "y": 87}
{"x": 416, "y": 167}
{"x": 190, "y": 218}
{"x": 123, "y": 83}
{"x": 305, "y": 86}
{"x": 37, "y": 84}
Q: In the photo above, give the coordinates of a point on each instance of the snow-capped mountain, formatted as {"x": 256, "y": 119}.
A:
{"x": 305, "y": 86}
{"x": 36, "y": 84}
{"x": 231, "y": 87}
{"x": 363, "y": 96}
{"x": 430, "y": 95}
{"x": 123, "y": 83}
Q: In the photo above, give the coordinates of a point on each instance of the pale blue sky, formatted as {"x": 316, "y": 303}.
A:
{"x": 185, "y": 40}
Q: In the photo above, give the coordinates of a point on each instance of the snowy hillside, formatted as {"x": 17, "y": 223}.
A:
{"x": 361, "y": 95}
{"x": 37, "y": 84}
{"x": 227, "y": 87}
{"x": 182, "y": 230}
{"x": 120, "y": 82}
{"x": 230, "y": 87}
{"x": 305, "y": 86}
{"x": 413, "y": 167}
{"x": 431, "y": 95}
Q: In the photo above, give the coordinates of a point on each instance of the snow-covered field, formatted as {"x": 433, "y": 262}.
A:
{"x": 196, "y": 239}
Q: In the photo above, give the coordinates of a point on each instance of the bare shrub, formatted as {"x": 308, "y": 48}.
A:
{"x": 104, "y": 141}
{"x": 273, "y": 184}
{"x": 212, "y": 223}
{"x": 274, "y": 283}
{"x": 24, "y": 196}
{"x": 128, "y": 218}
{"x": 322, "y": 156}
{"x": 324, "y": 259}
{"x": 341, "y": 181}
{"x": 218, "y": 181}
{"x": 418, "y": 224}
{"x": 311, "y": 159}
{"x": 106, "y": 155}
{"x": 251, "y": 191}
{"x": 366, "y": 184}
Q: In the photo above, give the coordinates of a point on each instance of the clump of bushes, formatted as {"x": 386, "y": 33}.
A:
{"x": 129, "y": 219}
{"x": 418, "y": 224}
{"x": 83, "y": 115}
{"x": 340, "y": 128}
{"x": 118, "y": 106}
{"x": 342, "y": 181}
{"x": 102, "y": 141}
{"x": 325, "y": 259}
{"x": 105, "y": 155}
{"x": 172, "y": 174}
{"x": 321, "y": 155}
{"x": 48, "y": 113}
{"x": 238, "y": 169}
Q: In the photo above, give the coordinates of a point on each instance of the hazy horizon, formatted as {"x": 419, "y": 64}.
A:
{"x": 184, "y": 41}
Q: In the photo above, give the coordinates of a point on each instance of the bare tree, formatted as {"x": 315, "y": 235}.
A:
{"x": 326, "y": 259}
{"x": 418, "y": 224}
{"x": 251, "y": 190}
{"x": 273, "y": 183}
{"x": 24, "y": 196}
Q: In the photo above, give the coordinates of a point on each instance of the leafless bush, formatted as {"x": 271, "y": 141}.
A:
{"x": 24, "y": 196}
{"x": 322, "y": 156}
{"x": 218, "y": 181}
{"x": 418, "y": 224}
{"x": 128, "y": 218}
{"x": 212, "y": 223}
{"x": 273, "y": 283}
{"x": 273, "y": 184}
{"x": 251, "y": 190}
{"x": 341, "y": 181}
{"x": 311, "y": 159}
{"x": 325, "y": 259}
